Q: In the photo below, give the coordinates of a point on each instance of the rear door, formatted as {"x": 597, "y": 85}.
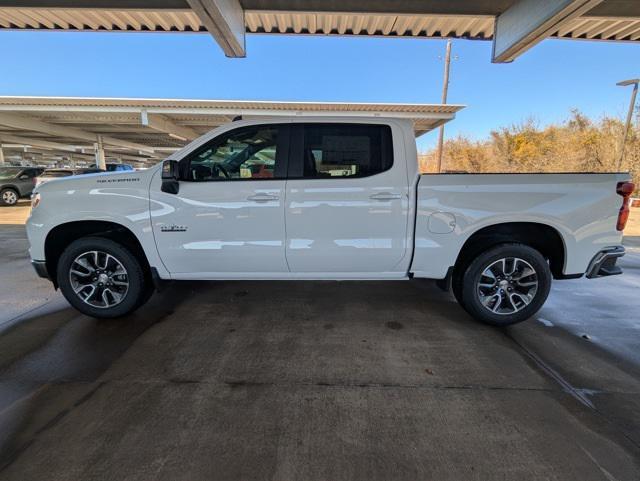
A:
{"x": 27, "y": 181}
{"x": 228, "y": 218}
{"x": 347, "y": 200}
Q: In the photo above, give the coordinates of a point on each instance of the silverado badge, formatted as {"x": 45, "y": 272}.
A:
{"x": 173, "y": 228}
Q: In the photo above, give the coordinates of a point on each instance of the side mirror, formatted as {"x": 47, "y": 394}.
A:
{"x": 170, "y": 176}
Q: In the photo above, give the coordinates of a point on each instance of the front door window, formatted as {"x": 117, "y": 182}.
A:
{"x": 242, "y": 154}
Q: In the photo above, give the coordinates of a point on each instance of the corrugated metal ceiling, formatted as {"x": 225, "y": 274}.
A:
{"x": 309, "y": 23}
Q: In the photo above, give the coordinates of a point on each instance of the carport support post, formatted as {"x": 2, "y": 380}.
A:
{"x": 100, "y": 157}
{"x": 1, "y": 155}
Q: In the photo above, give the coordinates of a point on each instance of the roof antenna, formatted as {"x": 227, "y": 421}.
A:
{"x": 236, "y": 118}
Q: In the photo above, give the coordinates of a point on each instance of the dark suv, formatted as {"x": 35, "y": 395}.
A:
{"x": 17, "y": 182}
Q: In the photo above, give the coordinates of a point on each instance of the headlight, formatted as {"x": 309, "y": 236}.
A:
{"x": 35, "y": 200}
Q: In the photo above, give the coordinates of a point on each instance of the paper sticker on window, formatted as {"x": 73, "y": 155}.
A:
{"x": 345, "y": 150}
{"x": 245, "y": 173}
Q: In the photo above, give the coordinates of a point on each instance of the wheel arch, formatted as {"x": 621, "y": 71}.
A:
{"x": 11, "y": 187}
{"x": 543, "y": 237}
{"x": 61, "y": 236}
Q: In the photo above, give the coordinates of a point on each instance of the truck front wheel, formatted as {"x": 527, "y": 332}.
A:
{"x": 101, "y": 278}
{"x": 507, "y": 284}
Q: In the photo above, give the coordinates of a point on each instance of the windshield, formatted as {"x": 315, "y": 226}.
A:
{"x": 56, "y": 173}
{"x": 9, "y": 172}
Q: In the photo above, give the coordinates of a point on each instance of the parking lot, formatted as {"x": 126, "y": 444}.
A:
{"x": 317, "y": 380}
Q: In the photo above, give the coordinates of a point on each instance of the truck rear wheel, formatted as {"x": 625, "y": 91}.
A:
{"x": 505, "y": 285}
{"x": 101, "y": 278}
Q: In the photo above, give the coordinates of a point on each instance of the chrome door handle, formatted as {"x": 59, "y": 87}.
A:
{"x": 385, "y": 196}
{"x": 262, "y": 197}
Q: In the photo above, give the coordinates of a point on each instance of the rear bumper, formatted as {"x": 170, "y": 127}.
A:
{"x": 41, "y": 269}
{"x": 604, "y": 263}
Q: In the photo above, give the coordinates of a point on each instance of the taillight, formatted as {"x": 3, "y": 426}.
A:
{"x": 35, "y": 201}
{"x": 624, "y": 189}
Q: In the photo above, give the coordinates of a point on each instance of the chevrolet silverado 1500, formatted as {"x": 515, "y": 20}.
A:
{"x": 324, "y": 198}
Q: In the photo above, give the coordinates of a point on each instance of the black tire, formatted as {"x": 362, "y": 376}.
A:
{"x": 148, "y": 291}
{"x": 456, "y": 285}
{"x": 137, "y": 289}
{"x": 523, "y": 302}
{"x": 9, "y": 197}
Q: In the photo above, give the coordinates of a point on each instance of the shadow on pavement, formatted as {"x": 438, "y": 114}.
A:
{"x": 58, "y": 348}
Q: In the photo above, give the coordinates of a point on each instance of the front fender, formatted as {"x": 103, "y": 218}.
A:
{"x": 126, "y": 205}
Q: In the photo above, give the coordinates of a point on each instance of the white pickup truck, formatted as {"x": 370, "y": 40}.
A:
{"x": 324, "y": 197}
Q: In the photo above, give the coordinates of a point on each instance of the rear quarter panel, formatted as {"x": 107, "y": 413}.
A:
{"x": 583, "y": 208}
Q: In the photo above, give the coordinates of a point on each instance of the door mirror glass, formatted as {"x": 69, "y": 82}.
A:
{"x": 170, "y": 177}
{"x": 170, "y": 170}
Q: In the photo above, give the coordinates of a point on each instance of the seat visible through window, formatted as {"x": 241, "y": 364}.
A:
{"x": 242, "y": 154}
{"x": 346, "y": 150}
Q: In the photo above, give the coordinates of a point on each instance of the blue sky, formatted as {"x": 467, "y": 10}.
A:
{"x": 545, "y": 83}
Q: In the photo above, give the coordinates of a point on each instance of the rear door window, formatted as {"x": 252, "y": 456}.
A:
{"x": 9, "y": 173}
{"x": 340, "y": 150}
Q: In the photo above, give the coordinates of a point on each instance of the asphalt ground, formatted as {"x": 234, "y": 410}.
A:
{"x": 316, "y": 381}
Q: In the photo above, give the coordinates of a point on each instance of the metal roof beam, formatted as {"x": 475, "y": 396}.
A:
{"x": 224, "y": 20}
{"x": 56, "y": 153}
{"x": 45, "y": 144}
{"x": 135, "y": 158}
{"x": 39, "y": 145}
{"x": 528, "y": 22}
{"x": 26, "y": 123}
{"x": 162, "y": 123}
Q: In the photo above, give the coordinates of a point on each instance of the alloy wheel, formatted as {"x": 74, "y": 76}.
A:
{"x": 9, "y": 197}
{"x": 99, "y": 279}
{"x": 507, "y": 286}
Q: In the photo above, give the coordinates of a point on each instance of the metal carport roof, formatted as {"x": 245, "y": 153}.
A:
{"x": 525, "y": 22}
{"x": 145, "y": 130}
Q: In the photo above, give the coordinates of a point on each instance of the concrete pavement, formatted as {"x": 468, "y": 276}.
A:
{"x": 15, "y": 215}
{"x": 316, "y": 380}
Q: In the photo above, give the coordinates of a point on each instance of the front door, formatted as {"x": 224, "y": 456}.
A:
{"x": 347, "y": 203}
{"x": 227, "y": 219}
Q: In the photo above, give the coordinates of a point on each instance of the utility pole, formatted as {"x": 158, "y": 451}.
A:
{"x": 445, "y": 90}
{"x": 626, "y": 83}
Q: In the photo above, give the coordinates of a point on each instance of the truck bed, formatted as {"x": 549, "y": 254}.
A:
{"x": 581, "y": 208}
